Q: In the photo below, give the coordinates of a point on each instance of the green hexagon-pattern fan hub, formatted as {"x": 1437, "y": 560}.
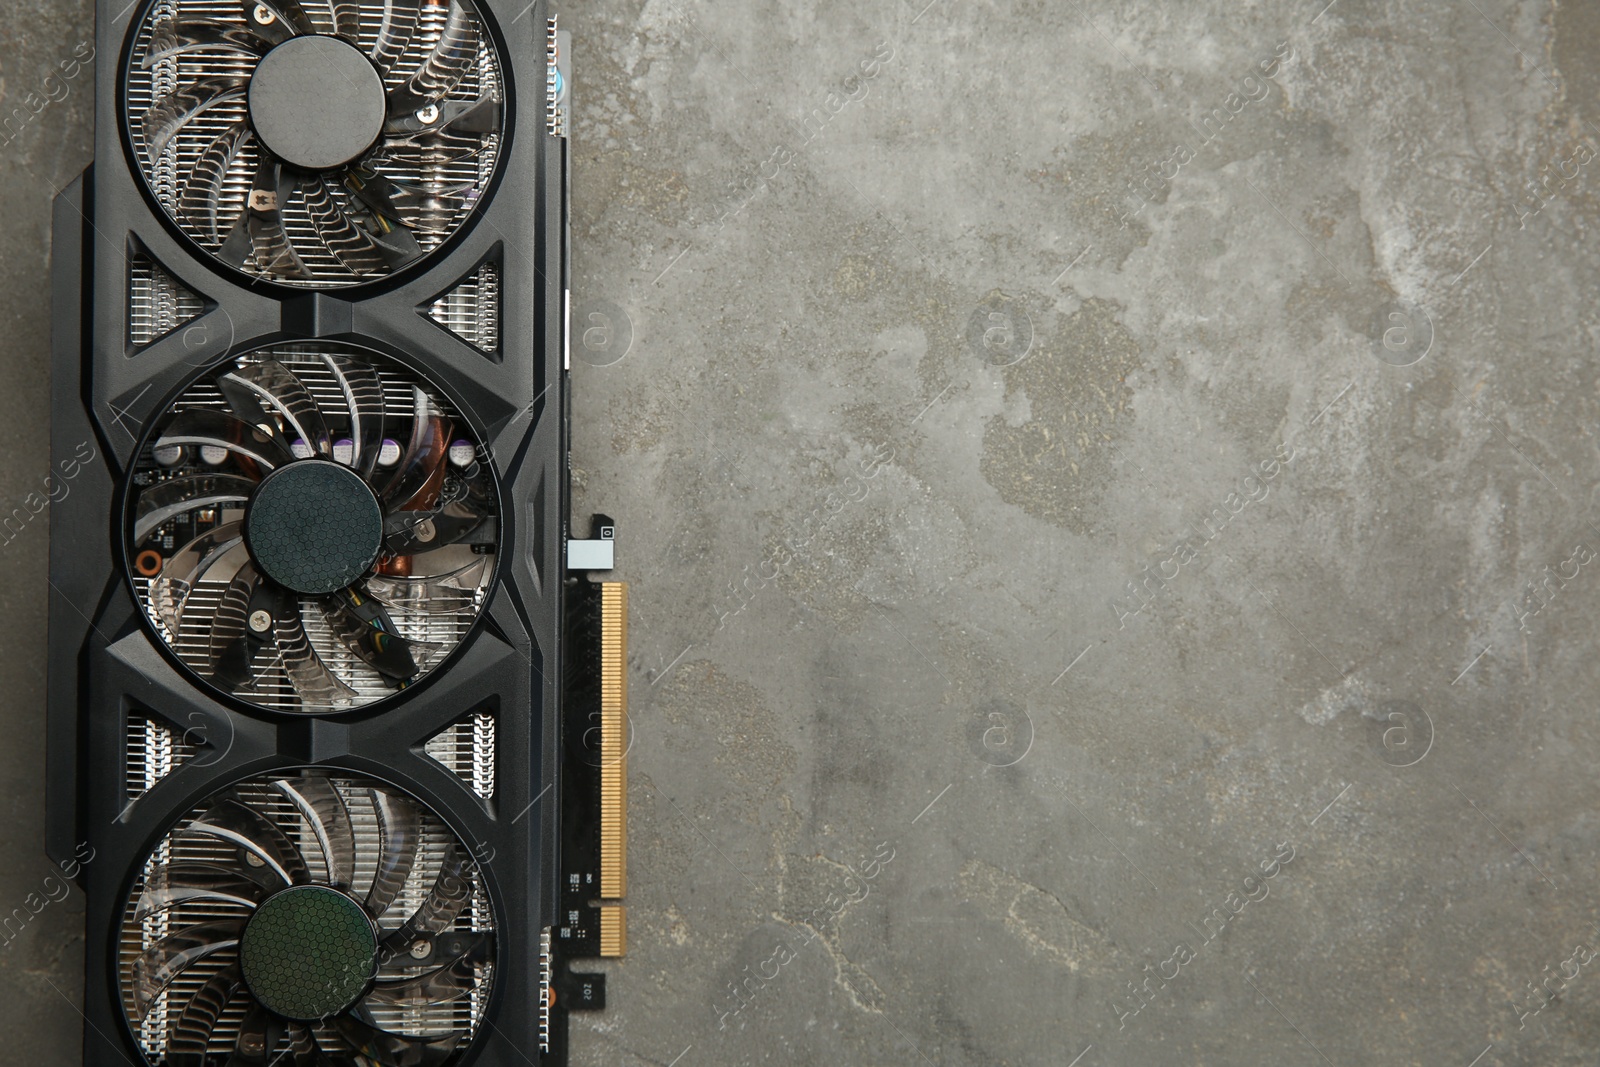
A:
{"x": 308, "y": 952}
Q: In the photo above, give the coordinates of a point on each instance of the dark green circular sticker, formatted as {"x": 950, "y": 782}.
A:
{"x": 308, "y": 952}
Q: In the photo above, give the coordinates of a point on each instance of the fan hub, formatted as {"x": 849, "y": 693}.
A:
{"x": 308, "y": 952}
{"x": 317, "y": 103}
{"x": 314, "y": 526}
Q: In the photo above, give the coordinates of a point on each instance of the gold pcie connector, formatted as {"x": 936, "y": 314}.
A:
{"x": 613, "y": 760}
{"x": 593, "y": 872}
{"x": 613, "y": 930}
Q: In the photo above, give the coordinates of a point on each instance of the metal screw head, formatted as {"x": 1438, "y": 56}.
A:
{"x": 253, "y": 860}
{"x": 421, "y": 950}
{"x": 260, "y": 621}
{"x": 263, "y": 15}
{"x": 425, "y": 530}
{"x": 428, "y": 115}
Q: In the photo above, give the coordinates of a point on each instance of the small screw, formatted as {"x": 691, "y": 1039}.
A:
{"x": 263, "y": 15}
{"x": 425, "y": 531}
{"x": 421, "y": 950}
{"x": 260, "y": 621}
{"x": 254, "y": 860}
{"x": 428, "y": 115}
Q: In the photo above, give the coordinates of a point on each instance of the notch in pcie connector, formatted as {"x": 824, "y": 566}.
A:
{"x": 590, "y": 921}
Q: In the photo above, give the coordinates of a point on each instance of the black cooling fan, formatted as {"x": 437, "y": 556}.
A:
{"x": 315, "y": 142}
{"x": 311, "y": 527}
{"x": 324, "y": 920}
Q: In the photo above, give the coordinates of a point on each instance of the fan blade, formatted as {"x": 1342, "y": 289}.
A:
{"x": 178, "y": 108}
{"x": 235, "y": 645}
{"x": 287, "y": 14}
{"x": 202, "y": 190}
{"x": 449, "y": 523}
{"x": 394, "y": 240}
{"x": 312, "y": 679}
{"x": 164, "y": 500}
{"x": 368, "y": 631}
{"x": 158, "y": 965}
{"x": 428, "y": 205}
{"x": 169, "y": 592}
{"x": 346, "y": 20}
{"x": 263, "y": 880}
{"x": 443, "y": 67}
{"x": 169, "y": 37}
{"x": 350, "y": 243}
{"x": 424, "y": 149}
{"x": 481, "y": 116}
{"x": 179, "y": 883}
{"x": 396, "y": 1050}
{"x": 450, "y": 949}
{"x": 450, "y": 893}
{"x": 234, "y": 821}
{"x": 246, "y": 404}
{"x": 270, "y": 241}
{"x": 398, "y": 827}
{"x": 233, "y": 612}
{"x": 259, "y": 231}
{"x": 276, "y": 384}
{"x": 458, "y": 133}
{"x": 191, "y": 1035}
{"x": 431, "y": 196}
{"x": 324, "y": 810}
{"x": 258, "y": 1038}
{"x": 478, "y": 116}
{"x": 453, "y": 593}
{"x": 303, "y": 1043}
{"x": 395, "y": 31}
{"x": 170, "y": 598}
{"x": 334, "y": 1045}
{"x": 422, "y": 465}
{"x": 439, "y": 986}
{"x": 363, "y": 395}
{"x": 199, "y": 426}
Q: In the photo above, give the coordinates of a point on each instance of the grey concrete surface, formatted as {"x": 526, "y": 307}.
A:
{"x": 1073, "y": 461}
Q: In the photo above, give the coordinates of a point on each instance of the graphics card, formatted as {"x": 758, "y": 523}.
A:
{"x": 334, "y": 704}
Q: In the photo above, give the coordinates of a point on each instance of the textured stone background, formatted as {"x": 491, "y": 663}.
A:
{"x": 922, "y": 370}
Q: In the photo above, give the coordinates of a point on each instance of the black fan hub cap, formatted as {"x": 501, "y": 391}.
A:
{"x": 309, "y": 952}
{"x": 314, "y": 526}
{"x": 317, "y": 103}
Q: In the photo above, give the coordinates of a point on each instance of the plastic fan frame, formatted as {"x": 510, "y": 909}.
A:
{"x": 126, "y": 499}
{"x": 188, "y": 806}
{"x": 356, "y": 285}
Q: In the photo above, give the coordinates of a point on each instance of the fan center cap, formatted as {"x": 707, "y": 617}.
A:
{"x": 308, "y": 952}
{"x": 317, "y": 102}
{"x": 313, "y": 526}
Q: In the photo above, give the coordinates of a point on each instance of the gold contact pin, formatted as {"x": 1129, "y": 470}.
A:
{"x": 613, "y": 930}
{"x": 613, "y": 750}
